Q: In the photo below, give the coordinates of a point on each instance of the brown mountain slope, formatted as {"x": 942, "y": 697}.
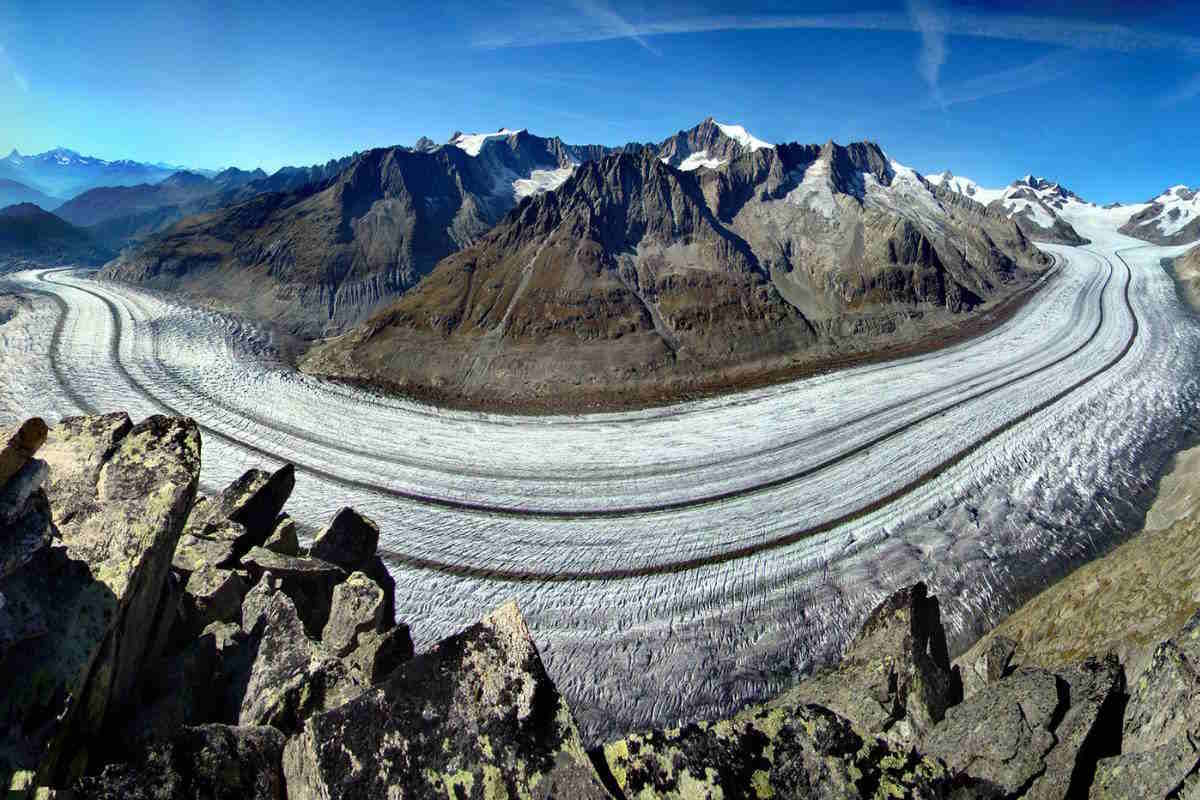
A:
{"x": 635, "y": 281}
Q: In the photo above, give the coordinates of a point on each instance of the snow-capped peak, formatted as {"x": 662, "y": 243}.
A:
{"x": 742, "y": 136}
{"x": 966, "y": 187}
{"x": 472, "y": 143}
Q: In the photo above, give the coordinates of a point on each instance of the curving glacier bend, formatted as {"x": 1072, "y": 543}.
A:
{"x": 677, "y": 562}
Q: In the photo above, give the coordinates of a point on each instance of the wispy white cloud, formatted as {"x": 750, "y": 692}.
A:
{"x": 552, "y": 29}
{"x": 1188, "y": 90}
{"x": 1047, "y": 69}
{"x": 927, "y": 19}
{"x": 604, "y": 15}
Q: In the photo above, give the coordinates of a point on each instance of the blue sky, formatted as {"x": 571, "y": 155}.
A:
{"x": 1103, "y": 96}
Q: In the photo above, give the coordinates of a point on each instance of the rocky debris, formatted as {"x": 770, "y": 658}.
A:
{"x": 477, "y": 715}
{"x": 349, "y": 541}
{"x": 213, "y": 595}
{"x": 291, "y": 677}
{"x": 308, "y": 581}
{"x": 209, "y": 762}
{"x": 1169, "y": 771}
{"x": 780, "y": 751}
{"x": 993, "y": 663}
{"x": 357, "y": 609}
{"x": 252, "y": 503}
{"x": 1164, "y": 700}
{"x": 895, "y": 680}
{"x": 377, "y": 655}
{"x": 25, "y": 520}
{"x": 18, "y": 445}
{"x": 1033, "y": 733}
{"x": 196, "y": 552}
{"x": 96, "y": 590}
{"x": 283, "y": 538}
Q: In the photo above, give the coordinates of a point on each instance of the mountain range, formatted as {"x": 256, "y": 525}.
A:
{"x": 63, "y": 173}
{"x": 28, "y": 232}
{"x": 517, "y": 263}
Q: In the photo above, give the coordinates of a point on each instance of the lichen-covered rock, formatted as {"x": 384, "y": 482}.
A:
{"x": 895, "y": 680}
{"x": 253, "y": 501}
{"x": 196, "y": 552}
{"x": 994, "y": 662}
{"x": 213, "y": 595}
{"x": 1088, "y": 730}
{"x": 1164, "y": 700}
{"x": 98, "y": 590}
{"x": 476, "y": 716}
{"x": 209, "y": 762}
{"x": 25, "y": 520}
{"x": 76, "y": 449}
{"x": 18, "y": 444}
{"x": 349, "y": 541}
{"x": 290, "y": 676}
{"x": 357, "y": 609}
{"x": 283, "y": 538}
{"x": 779, "y": 751}
{"x": 1168, "y": 772}
{"x": 308, "y": 581}
{"x": 377, "y": 655}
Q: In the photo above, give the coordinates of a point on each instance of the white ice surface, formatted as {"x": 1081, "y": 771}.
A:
{"x": 743, "y": 137}
{"x": 655, "y": 553}
{"x": 967, "y": 188}
{"x": 472, "y": 143}
{"x": 698, "y": 160}
{"x": 541, "y": 180}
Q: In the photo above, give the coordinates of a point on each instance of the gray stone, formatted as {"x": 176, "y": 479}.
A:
{"x": 20, "y": 488}
{"x": 782, "y": 751}
{"x": 993, "y": 664}
{"x": 195, "y": 552}
{"x": 253, "y": 501}
{"x": 1003, "y": 732}
{"x": 283, "y": 537}
{"x": 378, "y": 655}
{"x": 475, "y": 716}
{"x": 291, "y": 677}
{"x": 209, "y": 762}
{"x": 25, "y": 518}
{"x": 357, "y": 609}
{"x": 213, "y": 595}
{"x": 1169, "y": 771}
{"x": 895, "y": 680}
{"x": 18, "y": 444}
{"x": 349, "y": 541}
{"x": 1164, "y": 700}
{"x": 308, "y": 581}
{"x": 98, "y": 588}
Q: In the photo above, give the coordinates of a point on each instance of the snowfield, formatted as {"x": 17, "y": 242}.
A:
{"x": 701, "y": 554}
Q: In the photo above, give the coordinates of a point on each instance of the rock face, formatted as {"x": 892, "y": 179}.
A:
{"x": 18, "y": 445}
{"x": 640, "y": 277}
{"x": 895, "y": 680}
{"x": 26, "y": 231}
{"x": 1171, "y": 218}
{"x": 475, "y": 716}
{"x": 783, "y": 751}
{"x": 96, "y": 590}
{"x": 209, "y": 762}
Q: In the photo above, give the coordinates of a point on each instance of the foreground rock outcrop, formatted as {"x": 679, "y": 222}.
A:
{"x": 158, "y": 645}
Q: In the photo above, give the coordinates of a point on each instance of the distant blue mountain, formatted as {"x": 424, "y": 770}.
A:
{"x": 63, "y": 173}
{"x": 14, "y": 192}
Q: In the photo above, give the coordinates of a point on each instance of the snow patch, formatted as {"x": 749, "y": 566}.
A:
{"x": 472, "y": 143}
{"x": 743, "y": 137}
{"x": 541, "y": 180}
{"x": 700, "y": 159}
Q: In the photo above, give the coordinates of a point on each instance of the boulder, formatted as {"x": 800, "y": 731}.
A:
{"x": 895, "y": 680}
{"x": 76, "y": 449}
{"x": 209, "y": 762}
{"x": 357, "y": 609}
{"x": 1002, "y": 733}
{"x": 477, "y": 715}
{"x": 196, "y": 552}
{"x": 377, "y": 655}
{"x": 308, "y": 581}
{"x": 349, "y": 541}
{"x": 283, "y": 538}
{"x": 97, "y": 589}
{"x": 213, "y": 595}
{"x": 993, "y": 663}
{"x": 1164, "y": 700}
{"x": 1171, "y": 770}
{"x": 290, "y": 677}
{"x": 26, "y": 525}
{"x": 253, "y": 502}
{"x": 781, "y": 751}
{"x": 18, "y": 444}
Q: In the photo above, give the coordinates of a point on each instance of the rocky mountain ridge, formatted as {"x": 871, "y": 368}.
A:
{"x": 1034, "y": 204}
{"x": 156, "y": 643}
{"x": 28, "y": 232}
{"x": 637, "y": 274}
{"x": 1171, "y": 218}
